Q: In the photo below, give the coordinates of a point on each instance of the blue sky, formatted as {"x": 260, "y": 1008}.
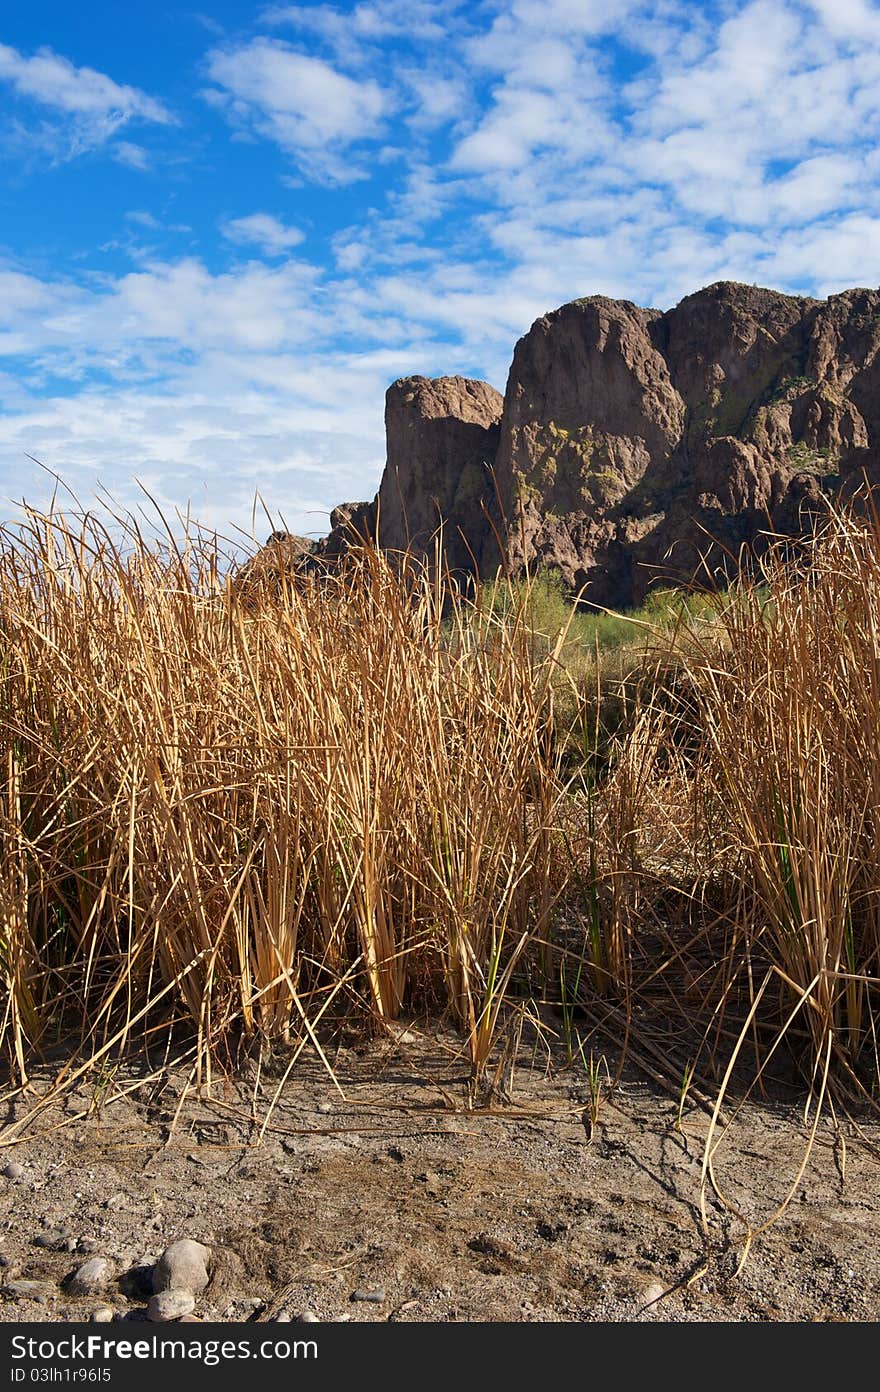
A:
{"x": 225, "y": 230}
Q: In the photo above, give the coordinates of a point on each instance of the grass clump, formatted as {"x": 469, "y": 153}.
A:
{"x": 358, "y": 794}
{"x": 239, "y": 813}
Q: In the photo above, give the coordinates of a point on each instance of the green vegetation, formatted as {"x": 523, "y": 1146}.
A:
{"x": 791, "y": 387}
{"x": 814, "y": 461}
{"x": 549, "y": 608}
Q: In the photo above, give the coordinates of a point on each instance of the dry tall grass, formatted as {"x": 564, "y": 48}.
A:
{"x": 249, "y": 810}
{"x": 245, "y": 807}
{"x": 788, "y": 707}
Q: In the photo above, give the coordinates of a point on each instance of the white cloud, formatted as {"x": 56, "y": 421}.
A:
{"x": 314, "y": 112}
{"x": 54, "y": 81}
{"x": 747, "y": 147}
{"x": 524, "y": 122}
{"x": 95, "y": 105}
{"x": 831, "y": 255}
{"x": 438, "y": 98}
{"x": 263, "y": 231}
{"x": 851, "y": 19}
{"x": 133, "y": 156}
{"x": 20, "y": 294}
{"x": 765, "y": 119}
{"x": 143, "y": 219}
{"x": 776, "y": 87}
{"x": 188, "y": 447}
{"x": 425, "y": 21}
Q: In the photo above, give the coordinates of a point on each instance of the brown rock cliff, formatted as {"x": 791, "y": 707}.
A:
{"x": 633, "y": 445}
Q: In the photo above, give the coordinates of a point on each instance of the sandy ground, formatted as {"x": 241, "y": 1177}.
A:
{"x": 393, "y": 1190}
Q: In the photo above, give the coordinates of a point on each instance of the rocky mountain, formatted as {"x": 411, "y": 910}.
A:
{"x": 633, "y": 445}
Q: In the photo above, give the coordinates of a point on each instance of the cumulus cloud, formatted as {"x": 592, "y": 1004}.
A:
{"x": 313, "y": 111}
{"x": 271, "y": 236}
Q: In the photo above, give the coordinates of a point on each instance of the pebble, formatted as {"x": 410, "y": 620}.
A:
{"x": 325, "y": 1108}
{"x": 13, "y": 1170}
{"x": 307, "y": 1317}
{"x": 103, "y": 1315}
{"x": 282, "y": 1317}
{"x": 170, "y": 1305}
{"x": 373, "y": 1297}
{"x": 182, "y": 1266}
{"x": 91, "y": 1277}
{"x": 653, "y": 1291}
{"x": 29, "y": 1290}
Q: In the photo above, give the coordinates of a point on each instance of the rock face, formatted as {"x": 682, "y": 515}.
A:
{"x": 633, "y": 446}
{"x": 637, "y": 445}
{"x": 589, "y": 414}
{"x": 442, "y": 437}
{"x": 283, "y": 555}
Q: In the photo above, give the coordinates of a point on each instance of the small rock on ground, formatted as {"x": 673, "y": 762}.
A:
{"x": 373, "y": 1297}
{"x": 170, "y": 1305}
{"x": 103, "y": 1315}
{"x": 29, "y": 1290}
{"x": 54, "y": 1239}
{"x": 91, "y": 1277}
{"x": 13, "y": 1170}
{"x": 182, "y": 1266}
{"x": 651, "y": 1293}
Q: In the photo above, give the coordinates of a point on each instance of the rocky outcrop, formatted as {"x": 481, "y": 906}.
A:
{"x": 637, "y": 445}
{"x": 633, "y": 445}
{"x": 350, "y": 525}
{"x": 590, "y": 410}
{"x": 283, "y": 556}
{"x": 442, "y": 437}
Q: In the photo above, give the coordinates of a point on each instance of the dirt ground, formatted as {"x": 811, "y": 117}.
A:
{"x": 391, "y": 1189}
